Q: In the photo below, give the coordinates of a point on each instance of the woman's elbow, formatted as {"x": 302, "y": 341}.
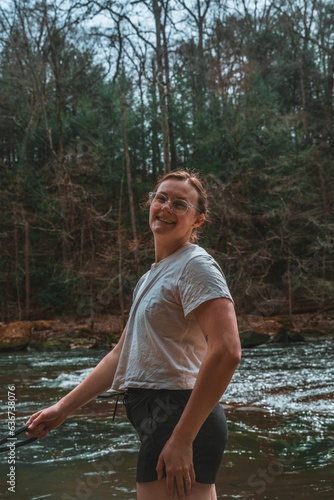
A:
{"x": 236, "y": 354}
{"x": 227, "y": 356}
{"x": 233, "y": 354}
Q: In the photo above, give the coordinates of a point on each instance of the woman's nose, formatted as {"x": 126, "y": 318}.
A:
{"x": 167, "y": 204}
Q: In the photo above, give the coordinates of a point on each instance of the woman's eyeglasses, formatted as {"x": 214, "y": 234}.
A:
{"x": 177, "y": 206}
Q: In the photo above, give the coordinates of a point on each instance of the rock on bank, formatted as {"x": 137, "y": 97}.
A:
{"x": 105, "y": 331}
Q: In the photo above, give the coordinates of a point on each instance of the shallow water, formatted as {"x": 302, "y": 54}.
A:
{"x": 280, "y": 409}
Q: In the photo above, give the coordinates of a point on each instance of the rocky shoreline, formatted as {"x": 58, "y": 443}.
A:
{"x": 60, "y": 334}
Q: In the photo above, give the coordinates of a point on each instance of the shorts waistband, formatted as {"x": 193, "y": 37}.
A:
{"x": 142, "y": 390}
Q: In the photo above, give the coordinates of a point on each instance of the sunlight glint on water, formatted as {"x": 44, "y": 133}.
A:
{"x": 280, "y": 408}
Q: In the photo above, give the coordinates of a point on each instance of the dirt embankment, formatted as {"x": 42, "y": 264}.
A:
{"x": 105, "y": 331}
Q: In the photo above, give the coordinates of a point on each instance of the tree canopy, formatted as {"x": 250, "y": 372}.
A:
{"x": 99, "y": 98}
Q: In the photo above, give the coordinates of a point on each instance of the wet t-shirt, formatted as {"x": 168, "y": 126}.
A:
{"x": 164, "y": 345}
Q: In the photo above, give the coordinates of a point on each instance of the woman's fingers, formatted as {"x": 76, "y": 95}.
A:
{"x": 39, "y": 432}
{"x": 33, "y": 425}
{"x": 180, "y": 484}
{"x": 184, "y": 483}
{"x": 32, "y": 419}
{"x": 42, "y": 422}
{"x": 181, "y": 487}
{"x": 176, "y": 459}
{"x": 187, "y": 484}
{"x": 160, "y": 468}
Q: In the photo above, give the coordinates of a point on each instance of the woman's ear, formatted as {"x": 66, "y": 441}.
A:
{"x": 199, "y": 220}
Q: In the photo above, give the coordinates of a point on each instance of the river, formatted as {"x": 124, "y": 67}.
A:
{"x": 280, "y": 409}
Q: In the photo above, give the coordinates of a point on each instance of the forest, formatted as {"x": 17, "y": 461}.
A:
{"x": 99, "y": 98}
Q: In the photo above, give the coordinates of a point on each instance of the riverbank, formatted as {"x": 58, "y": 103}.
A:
{"x": 104, "y": 331}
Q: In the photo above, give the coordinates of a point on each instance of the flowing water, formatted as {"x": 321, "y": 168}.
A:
{"x": 280, "y": 408}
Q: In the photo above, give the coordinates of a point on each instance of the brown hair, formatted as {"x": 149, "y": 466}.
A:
{"x": 194, "y": 180}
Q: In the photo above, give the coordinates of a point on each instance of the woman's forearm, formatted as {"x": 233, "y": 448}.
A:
{"x": 99, "y": 380}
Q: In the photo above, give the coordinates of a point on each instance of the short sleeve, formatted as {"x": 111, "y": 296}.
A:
{"x": 201, "y": 280}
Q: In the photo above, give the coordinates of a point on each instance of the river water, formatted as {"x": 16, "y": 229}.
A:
{"x": 280, "y": 409}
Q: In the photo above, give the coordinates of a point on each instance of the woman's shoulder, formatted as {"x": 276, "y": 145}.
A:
{"x": 194, "y": 250}
{"x": 199, "y": 264}
{"x": 199, "y": 256}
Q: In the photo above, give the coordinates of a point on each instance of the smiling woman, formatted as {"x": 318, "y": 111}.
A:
{"x": 189, "y": 199}
{"x": 176, "y": 356}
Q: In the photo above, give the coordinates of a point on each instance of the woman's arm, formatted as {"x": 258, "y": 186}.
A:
{"x": 99, "y": 380}
{"x": 218, "y": 323}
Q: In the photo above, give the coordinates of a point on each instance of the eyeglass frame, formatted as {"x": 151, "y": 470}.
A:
{"x": 152, "y": 195}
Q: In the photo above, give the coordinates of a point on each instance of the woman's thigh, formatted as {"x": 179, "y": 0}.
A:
{"x": 154, "y": 414}
{"x": 157, "y": 490}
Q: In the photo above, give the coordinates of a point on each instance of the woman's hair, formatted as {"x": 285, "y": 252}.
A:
{"x": 194, "y": 180}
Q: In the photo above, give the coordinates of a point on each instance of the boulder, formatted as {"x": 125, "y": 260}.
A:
{"x": 105, "y": 331}
{"x": 15, "y": 336}
{"x": 256, "y": 330}
{"x": 249, "y": 338}
{"x": 285, "y": 335}
{"x": 60, "y": 335}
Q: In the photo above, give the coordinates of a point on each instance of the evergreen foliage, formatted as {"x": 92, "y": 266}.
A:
{"x": 92, "y": 112}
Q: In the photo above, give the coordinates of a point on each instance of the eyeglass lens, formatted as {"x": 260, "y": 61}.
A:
{"x": 178, "y": 206}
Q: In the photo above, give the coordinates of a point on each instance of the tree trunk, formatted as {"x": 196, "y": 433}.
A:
{"x": 129, "y": 181}
{"x": 161, "y": 86}
{"x": 17, "y": 279}
{"x": 27, "y": 267}
{"x": 154, "y": 126}
{"x": 120, "y": 253}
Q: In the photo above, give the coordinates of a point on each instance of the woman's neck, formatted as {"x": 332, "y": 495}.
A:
{"x": 164, "y": 250}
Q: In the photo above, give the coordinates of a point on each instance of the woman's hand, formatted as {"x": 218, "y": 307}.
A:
{"x": 42, "y": 422}
{"x": 177, "y": 459}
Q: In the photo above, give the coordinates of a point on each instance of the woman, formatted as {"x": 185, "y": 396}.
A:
{"x": 176, "y": 355}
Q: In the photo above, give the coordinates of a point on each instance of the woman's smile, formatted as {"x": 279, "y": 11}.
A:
{"x": 164, "y": 219}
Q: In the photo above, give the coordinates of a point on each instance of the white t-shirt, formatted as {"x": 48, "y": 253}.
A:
{"x": 164, "y": 345}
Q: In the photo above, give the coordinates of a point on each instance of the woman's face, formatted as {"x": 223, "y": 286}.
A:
{"x": 165, "y": 223}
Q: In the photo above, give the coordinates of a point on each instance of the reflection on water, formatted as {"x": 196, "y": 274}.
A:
{"x": 280, "y": 408}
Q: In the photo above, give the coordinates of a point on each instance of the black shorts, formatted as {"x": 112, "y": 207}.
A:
{"x": 155, "y": 413}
